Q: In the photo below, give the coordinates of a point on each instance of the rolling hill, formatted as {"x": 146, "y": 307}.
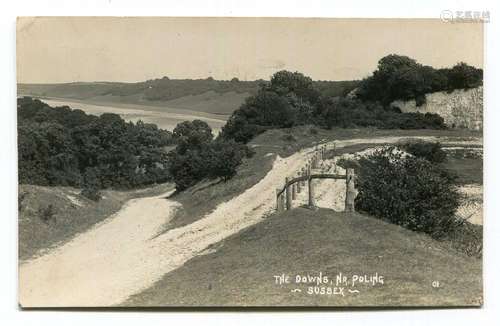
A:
{"x": 201, "y": 95}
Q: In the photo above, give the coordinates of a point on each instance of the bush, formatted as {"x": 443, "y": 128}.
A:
{"x": 313, "y": 131}
{"x": 289, "y": 138}
{"x": 346, "y": 163}
{"x": 430, "y": 151}
{"x": 187, "y": 168}
{"x": 223, "y": 157}
{"x": 91, "y": 185}
{"x": 347, "y": 113}
{"x": 408, "y": 191}
{"x": 47, "y": 213}
{"x": 198, "y": 156}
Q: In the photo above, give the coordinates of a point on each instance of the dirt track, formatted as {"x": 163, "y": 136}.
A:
{"x": 122, "y": 256}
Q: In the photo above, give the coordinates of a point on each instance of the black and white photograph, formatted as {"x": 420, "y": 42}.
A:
{"x": 250, "y": 162}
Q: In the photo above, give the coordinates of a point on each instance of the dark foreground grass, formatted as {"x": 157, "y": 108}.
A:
{"x": 303, "y": 242}
{"x": 71, "y": 214}
{"x": 205, "y": 196}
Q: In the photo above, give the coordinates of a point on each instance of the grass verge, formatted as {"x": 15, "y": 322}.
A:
{"x": 240, "y": 272}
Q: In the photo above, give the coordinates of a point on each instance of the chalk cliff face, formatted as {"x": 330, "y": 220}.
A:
{"x": 459, "y": 109}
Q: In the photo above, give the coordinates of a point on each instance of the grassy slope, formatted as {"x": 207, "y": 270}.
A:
{"x": 210, "y": 102}
{"x": 36, "y": 235}
{"x": 301, "y": 241}
{"x": 180, "y": 287}
{"x": 215, "y": 97}
{"x": 204, "y": 197}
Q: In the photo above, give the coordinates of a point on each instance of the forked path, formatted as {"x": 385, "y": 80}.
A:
{"x": 122, "y": 256}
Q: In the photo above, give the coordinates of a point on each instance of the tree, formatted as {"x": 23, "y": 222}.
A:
{"x": 284, "y": 82}
{"x": 58, "y": 145}
{"x": 223, "y": 157}
{"x": 402, "y": 78}
{"x": 187, "y": 168}
{"x": 266, "y": 109}
{"x": 192, "y": 135}
{"x": 463, "y": 76}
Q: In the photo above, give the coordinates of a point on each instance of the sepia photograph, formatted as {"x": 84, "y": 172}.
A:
{"x": 250, "y": 162}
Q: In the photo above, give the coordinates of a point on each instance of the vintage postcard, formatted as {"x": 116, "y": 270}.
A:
{"x": 250, "y": 162}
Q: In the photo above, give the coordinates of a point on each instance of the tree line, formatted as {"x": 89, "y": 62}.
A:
{"x": 291, "y": 99}
{"x": 403, "y": 78}
{"x": 61, "y": 146}
{"x": 64, "y": 147}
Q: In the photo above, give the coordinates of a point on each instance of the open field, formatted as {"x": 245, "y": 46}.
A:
{"x": 164, "y": 117}
{"x": 239, "y": 271}
{"x": 219, "y": 97}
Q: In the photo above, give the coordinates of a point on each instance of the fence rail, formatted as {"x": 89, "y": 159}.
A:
{"x": 286, "y": 194}
{"x": 312, "y": 176}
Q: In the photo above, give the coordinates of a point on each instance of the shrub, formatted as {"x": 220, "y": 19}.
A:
{"x": 289, "y": 138}
{"x": 313, "y": 131}
{"x": 91, "y": 185}
{"x": 187, "y": 168}
{"x": 47, "y": 213}
{"x": 408, "y": 191}
{"x": 431, "y": 151}
{"x": 201, "y": 157}
{"x": 223, "y": 157}
{"x": 346, "y": 163}
{"x": 347, "y": 112}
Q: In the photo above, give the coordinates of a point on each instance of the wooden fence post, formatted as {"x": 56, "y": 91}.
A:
{"x": 279, "y": 202}
{"x": 288, "y": 194}
{"x": 294, "y": 191}
{"x": 310, "y": 186}
{"x": 350, "y": 194}
{"x": 333, "y": 159}
{"x": 298, "y": 184}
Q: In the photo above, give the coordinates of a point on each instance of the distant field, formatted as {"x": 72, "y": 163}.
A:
{"x": 164, "y": 117}
{"x": 201, "y": 95}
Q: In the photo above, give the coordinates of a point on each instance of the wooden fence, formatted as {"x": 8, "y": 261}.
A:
{"x": 292, "y": 186}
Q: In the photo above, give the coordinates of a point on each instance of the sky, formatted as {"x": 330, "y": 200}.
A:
{"x": 70, "y": 49}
